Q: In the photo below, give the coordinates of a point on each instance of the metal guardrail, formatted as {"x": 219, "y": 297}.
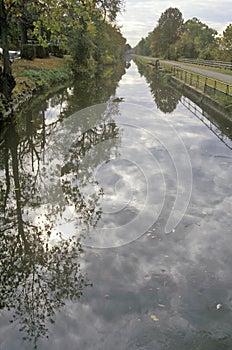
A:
{"x": 201, "y": 115}
{"x": 206, "y": 84}
{"x": 209, "y": 63}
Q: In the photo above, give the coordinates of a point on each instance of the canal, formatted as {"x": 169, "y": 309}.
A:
{"x": 116, "y": 205}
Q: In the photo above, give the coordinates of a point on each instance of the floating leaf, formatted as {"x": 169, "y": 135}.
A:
{"x": 154, "y": 318}
{"x": 147, "y": 277}
{"x": 219, "y": 306}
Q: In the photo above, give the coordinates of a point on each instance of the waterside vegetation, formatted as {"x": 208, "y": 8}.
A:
{"x": 84, "y": 30}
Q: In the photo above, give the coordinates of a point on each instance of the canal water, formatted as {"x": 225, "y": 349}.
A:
{"x": 116, "y": 205}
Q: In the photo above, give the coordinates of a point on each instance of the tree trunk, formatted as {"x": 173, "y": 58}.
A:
{"x": 23, "y": 31}
{"x": 7, "y": 82}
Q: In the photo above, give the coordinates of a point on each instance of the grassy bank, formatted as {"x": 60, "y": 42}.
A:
{"x": 38, "y": 75}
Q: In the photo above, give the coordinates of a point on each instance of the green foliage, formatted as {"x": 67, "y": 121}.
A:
{"x": 173, "y": 38}
{"x": 56, "y": 51}
{"x": 52, "y": 20}
{"x": 227, "y": 37}
{"x": 92, "y": 49}
{"x": 41, "y": 51}
{"x": 167, "y": 32}
{"x": 2, "y": 107}
{"x": 43, "y": 78}
{"x": 109, "y": 42}
{"x": 74, "y": 24}
{"x": 145, "y": 46}
{"x": 159, "y": 43}
{"x": 28, "y": 52}
{"x": 197, "y": 40}
{"x": 170, "y": 24}
{"x": 165, "y": 97}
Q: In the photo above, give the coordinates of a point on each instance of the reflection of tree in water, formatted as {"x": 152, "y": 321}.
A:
{"x": 38, "y": 273}
{"x": 165, "y": 96}
{"x": 37, "y": 276}
{"x": 88, "y": 92}
{"x": 80, "y": 94}
{"x": 76, "y": 175}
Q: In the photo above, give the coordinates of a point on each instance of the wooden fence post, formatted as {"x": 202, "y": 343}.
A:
{"x": 205, "y": 83}
{"x": 215, "y": 85}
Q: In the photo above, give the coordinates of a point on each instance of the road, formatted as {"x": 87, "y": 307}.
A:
{"x": 227, "y": 78}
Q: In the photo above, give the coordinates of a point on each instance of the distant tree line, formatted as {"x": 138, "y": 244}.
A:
{"x": 173, "y": 38}
{"x": 86, "y": 29}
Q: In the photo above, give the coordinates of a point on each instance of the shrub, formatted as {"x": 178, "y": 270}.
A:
{"x": 28, "y": 52}
{"x": 56, "y": 51}
{"x": 41, "y": 51}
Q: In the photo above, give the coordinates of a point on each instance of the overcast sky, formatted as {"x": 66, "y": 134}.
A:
{"x": 141, "y": 16}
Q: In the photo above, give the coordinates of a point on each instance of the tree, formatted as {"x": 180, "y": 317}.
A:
{"x": 7, "y": 82}
{"x": 168, "y": 30}
{"x": 94, "y": 47}
{"x": 145, "y": 46}
{"x": 62, "y": 20}
{"x": 172, "y": 38}
{"x": 197, "y": 40}
{"x": 227, "y": 37}
{"x": 110, "y": 8}
{"x": 170, "y": 23}
{"x": 109, "y": 42}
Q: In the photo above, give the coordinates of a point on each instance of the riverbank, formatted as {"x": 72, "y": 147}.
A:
{"x": 216, "y": 100}
{"x": 33, "y": 77}
{"x": 217, "y": 111}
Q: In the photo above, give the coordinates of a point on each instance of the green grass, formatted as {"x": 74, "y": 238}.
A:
{"x": 44, "y": 78}
{"x": 218, "y": 91}
{"x": 199, "y": 81}
{"x": 214, "y": 69}
{"x": 143, "y": 60}
{"x": 39, "y": 74}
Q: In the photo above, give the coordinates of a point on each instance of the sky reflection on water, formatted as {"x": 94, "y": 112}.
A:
{"x": 180, "y": 275}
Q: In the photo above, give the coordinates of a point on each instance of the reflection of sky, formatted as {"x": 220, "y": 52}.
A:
{"x": 53, "y": 112}
{"x": 133, "y": 89}
{"x": 151, "y": 149}
{"x": 179, "y": 277}
{"x": 141, "y": 16}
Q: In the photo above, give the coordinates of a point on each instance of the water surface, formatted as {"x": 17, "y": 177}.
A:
{"x": 141, "y": 176}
